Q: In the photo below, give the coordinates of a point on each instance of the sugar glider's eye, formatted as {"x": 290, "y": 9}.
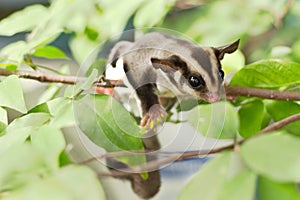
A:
{"x": 221, "y": 73}
{"x": 195, "y": 81}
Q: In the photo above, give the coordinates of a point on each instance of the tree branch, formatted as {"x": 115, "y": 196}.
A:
{"x": 234, "y": 91}
{"x": 231, "y": 92}
{"x": 41, "y": 77}
{"x": 48, "y": 78}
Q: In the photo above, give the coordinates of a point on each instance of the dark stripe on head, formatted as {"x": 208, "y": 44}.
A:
{"x": 203, "y": 59}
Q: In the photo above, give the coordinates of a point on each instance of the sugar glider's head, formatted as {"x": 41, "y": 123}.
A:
{"x": 197, "y": 71}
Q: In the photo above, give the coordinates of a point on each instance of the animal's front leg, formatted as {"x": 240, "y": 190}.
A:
{"x": 153, "y": 113}
{"x": 153, "y": 117}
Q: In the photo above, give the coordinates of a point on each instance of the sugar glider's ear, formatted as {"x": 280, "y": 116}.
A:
{"x": 230, "y": 48}
{"x": 172, "y": 63}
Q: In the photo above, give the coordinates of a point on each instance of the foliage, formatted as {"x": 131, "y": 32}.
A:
{"x": 32, "y": 149}
{"x": 32, "y": 146}
{"x": 106, "y": 122}
{"x": 218, "y": 120}
{"x": 229, "y": 181}
{"x": 268, "y": 74}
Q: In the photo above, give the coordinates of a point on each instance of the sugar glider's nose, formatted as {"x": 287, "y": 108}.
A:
{"x": 212, "y": 97}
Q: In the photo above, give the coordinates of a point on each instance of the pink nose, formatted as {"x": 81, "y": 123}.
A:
{"x": 213, "y": 97}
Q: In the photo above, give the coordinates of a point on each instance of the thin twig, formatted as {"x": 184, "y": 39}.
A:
{"x": 118, "y": 154}
{"x": 279, "y": 124}
{"x": 156, "y": 164}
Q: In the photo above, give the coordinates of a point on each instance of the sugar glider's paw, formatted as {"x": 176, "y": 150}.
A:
{"x": 154, "y": 117}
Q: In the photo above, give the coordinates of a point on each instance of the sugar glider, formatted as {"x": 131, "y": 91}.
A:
{"x": 186, "y": 69}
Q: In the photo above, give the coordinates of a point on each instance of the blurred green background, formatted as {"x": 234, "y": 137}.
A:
{"x": 267, "y": 28}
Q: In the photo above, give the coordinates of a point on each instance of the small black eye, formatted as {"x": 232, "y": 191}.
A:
{"x": 196, "y": 82}
{"x": 221, "y": 73}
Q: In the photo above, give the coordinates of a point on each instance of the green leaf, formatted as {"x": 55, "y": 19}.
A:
{"x": 14, "y": 138}
{"x": 217, "y": 174}
{"x": 49, "y": 141}
{"x": 51, "y": 92}
{"x": 42, "y": 37}
{"x": 88, "y": 83}
{"x": 242, "y": 185}
{"x": 282, "y": 109}
{"x": 50, "y": 52}
{"x": 268, "y": 74}
{"x": 69, "y": 91}
{"x": 91, "y": 33}
{"x": 82, "y": 48}
{"x": 27, "y": 172}
{"x": 66, "y": 183}
{"x": 251, "y": 116}
{"x": 41, "y": 108}
{"x": 266, "y": 118}
{"x": 122, "y": 9}
{"x": 275, "y": 156}
{"x": 61, "y": 110}
{"x": 11, "y": 67}
{"x": 215, "y": 171}
{"x": 15, "y": 52}
{"x": 144, "y": 16}
{"x": 218, "y": 120}
{"x": 233, "y": 62}
{"x": 19, "y": 165}
{"x": 23, "y": 20}
{"x": 82, "y": 86}
{"x": 107, "y": 123}
{"x": 29, "y": 120}
{"x": 11, "y": 94}
{"x": 188, "y": 104}
{"x": 99, "y": 65}
{"x": 296, "y": 50}
{"x": 64, "y": 159}
{"x": 3, "y": 119}
{"x": 269, "y": 189}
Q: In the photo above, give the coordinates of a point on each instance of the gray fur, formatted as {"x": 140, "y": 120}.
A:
{"x": 202, "y": 61}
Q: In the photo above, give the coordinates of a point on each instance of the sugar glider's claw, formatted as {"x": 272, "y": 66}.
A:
{"x": 154, "y": 117}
